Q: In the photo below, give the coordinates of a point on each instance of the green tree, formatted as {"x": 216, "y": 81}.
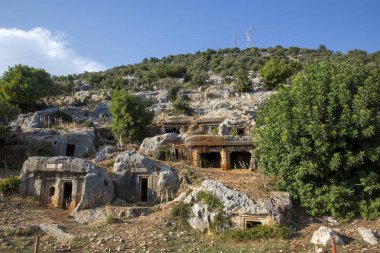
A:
{"x": 24, "y": 86}
{"x": 276, "y": 72}
{"x": 8, "y": 112}
{"x": 130, "y": 116}
{"x": 321, "y": 137}
{"x": 181, "y": 106}
{"x": 243, "y": 84}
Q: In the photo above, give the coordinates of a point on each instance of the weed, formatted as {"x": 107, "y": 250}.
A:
{"x": 259, "y": 232}
{"x": 10, "y": 185}
{"x": 210, "y": 200}
{"x": 182, "y": 211}
{"x": 111, "y": 220}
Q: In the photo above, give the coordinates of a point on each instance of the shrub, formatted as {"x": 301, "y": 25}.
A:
{"x": 182, "y": 107}
{"x": 260, "y": 232}
{"x": 111, "y": 220}
{"x": 10, "y": 185}
{"x": 182, "y": 211}
{"x": 173, "y": 91}
{"x": 210, "y": 200}
{"x": 321, "y": 138}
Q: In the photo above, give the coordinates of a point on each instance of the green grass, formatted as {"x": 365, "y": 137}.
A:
{"x": 182, "y": 211}
{"x": 259, "y": 232}
{"x": 210, "y": 200}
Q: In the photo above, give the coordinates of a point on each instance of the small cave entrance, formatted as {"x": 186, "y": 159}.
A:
{"x": 70, "y": 149}
{"x": 210, "y": 160}
{"x": 240, "y": 159}
{"x": 144, "y": 189}
{"x": 240, "y": 131}
{"x": 67, "y": 193}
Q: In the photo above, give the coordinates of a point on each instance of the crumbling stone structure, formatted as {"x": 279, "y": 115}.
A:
{"x": 207, "y": 142}
{"x": 66, "y": 182}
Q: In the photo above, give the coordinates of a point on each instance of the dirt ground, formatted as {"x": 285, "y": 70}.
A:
{"x": 158, "y": 232}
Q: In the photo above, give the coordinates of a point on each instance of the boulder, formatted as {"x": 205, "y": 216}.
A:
{"x": 105, "y": 153}
{"x": 102, "y": 111}
{"x": 323, "y": 236}
{"x": 93, "y": 215}
{"x": 57, "y": 232}
{"x": 130, "y": 168}
{"x": 368, "y": 236}
{"x": 201, "y": 217}
{"x": 150, "y": 146}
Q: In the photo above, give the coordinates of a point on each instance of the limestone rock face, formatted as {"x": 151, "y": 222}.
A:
{"x": 105, "y": 153}
{"x": 91, "y": 186}
{"x": 278, "y": 206}
{"x": 131, "y": 169}
{"x": 150, "y": 146}
{"x": 323, "y": 236}
{"x": 102, "y": 110}
{"x": 368, "y": 236}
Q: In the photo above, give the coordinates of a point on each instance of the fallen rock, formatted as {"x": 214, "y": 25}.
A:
{"x": 57, "y": 232}
{"x": 368, "y": 236}
{"x": 323, "y": 236}
{"x": 90, "y": 215}
{"x": 201, "y": 217}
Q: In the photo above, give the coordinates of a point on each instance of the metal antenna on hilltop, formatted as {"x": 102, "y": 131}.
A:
{"x": 234, "y": 44}
{"x": 248, "y": 36}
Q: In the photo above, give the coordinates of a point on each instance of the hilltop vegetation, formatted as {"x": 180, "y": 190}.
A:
{"x": 194, "y": 69}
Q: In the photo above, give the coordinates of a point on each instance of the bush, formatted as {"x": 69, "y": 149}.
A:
{"x": 173, "y": 91}
{"x": 321, "y": 137}
{"x": 259, "y": 232}
{"x": 276, "y": 72}
{"x": 182, "y": 107}
{"x": 182, "y": 211}
{"x": 111, "y": 220}
{"x": 10, "y": 185}
{"x": 210, "y": 200}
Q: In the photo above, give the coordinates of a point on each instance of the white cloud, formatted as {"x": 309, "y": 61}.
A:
{"x": 40, "y": 48}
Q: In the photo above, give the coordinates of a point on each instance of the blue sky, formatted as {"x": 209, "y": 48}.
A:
{"x": 95, "y": 34}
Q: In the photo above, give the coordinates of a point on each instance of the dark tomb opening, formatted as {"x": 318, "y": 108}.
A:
{"x": 67, "y": 192}
{"x": 143, "y": 189}
{"x": 210, "y": 160}
{"x": 70, "y": 149}
{"x": 51, "y": 191}
{"x": 240, "y": 160}
{"x": 252, "y": 224}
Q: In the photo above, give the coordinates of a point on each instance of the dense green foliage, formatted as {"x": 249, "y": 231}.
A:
{"x": 25, "y": 86}
{"x": 321, "y": 137}
{"x": 194, "y": 68}
{"x": 8, "y": 112}
{"x": 210, "y": 200}
{"x": 181, "y": 211}
{"x": 242, "y": 82}
{"x": 10, "y": 185}
{"x": 130, "y": 116}
{"x": 259, "y": 232}
{"x": 181, "y": 106}
{"x": 276, "y": 72}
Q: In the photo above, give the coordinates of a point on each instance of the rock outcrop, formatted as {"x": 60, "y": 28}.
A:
{"x": 278, "y": 207}
{"x": 368, "y": 236}
{"x": 150, "y": 146}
